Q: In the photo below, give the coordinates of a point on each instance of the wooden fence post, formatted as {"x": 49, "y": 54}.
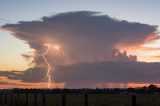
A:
{"x": 1, "y": 98}
{"x": 26, "y": 99}
{"x": 11, "y": 100}
{"x": 5, "y": 98}
{"x": 133, "y": 100}
{"x": 17, "y": 103}
{"x": 35, "y": 99}
{"x": 44, "y": 99}
{"x": 64, "y": 99}
{"x": 85, "y": 99}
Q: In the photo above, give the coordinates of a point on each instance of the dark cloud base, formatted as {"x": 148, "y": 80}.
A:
{"x": 87, "y": 74}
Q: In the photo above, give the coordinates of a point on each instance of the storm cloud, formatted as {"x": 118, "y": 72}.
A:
{"x": 83, "y": 36}
{"x": 89, "y": 74}
{"x": 85, "y": 49}
{"x": 108, "y": 72}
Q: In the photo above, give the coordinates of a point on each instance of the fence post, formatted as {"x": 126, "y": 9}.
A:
{"x": 35, "y": 99}
{"x": 1, "y": 98}
{"x": 44, "y": 99}
{"x": 5, "y": 98}
{"x": 64, "y": 99}
{"x": 26, "y": 99}
{"x": 11, "y": 100}
{"x": 17, "y": 99}
{"x": 133, "y": 100}
{"x": 86, "y": 99}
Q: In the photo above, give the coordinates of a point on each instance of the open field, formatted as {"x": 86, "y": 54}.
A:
{"x": 79, "y": 100}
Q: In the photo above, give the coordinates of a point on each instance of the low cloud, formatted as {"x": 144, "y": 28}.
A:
{"x": 108, "y": 72}
{"x": 90, "y": 74}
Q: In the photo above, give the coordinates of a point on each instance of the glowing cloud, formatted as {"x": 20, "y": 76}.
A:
{"x": 81, "y": 37}
{"x": 48, "y": 65}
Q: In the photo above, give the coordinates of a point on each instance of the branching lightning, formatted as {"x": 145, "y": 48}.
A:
{"x": 48, "y": 65}
{"x": 49, "y": 68}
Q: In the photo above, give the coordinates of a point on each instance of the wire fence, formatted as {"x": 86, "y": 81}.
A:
{"x": 36, "y": 99}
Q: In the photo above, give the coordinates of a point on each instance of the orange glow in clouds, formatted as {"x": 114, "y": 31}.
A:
{"x": 8, "y": 83}
{"x": 147, "y": 51}
{"x": 135, "y": 85}
{"x": 56, "y": 47}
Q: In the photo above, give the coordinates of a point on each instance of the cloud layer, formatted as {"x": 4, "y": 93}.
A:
{"x": 91, "y": 74}
{"x": 85, "y": 48}
{"x": 108, "y": 72}
{"x": 82, "y": 36}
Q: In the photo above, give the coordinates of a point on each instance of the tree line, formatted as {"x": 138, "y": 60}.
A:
{"x": 146, "y": 89}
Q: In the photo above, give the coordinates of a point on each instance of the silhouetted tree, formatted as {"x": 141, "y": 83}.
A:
{"x": 131, "y": 90}
{"x": 152, "y": 88}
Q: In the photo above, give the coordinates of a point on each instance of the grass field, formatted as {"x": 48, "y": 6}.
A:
{"x": 78, "y": 100}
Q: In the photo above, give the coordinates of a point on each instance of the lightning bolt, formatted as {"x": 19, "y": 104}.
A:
{"x": 48, "y": 65}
